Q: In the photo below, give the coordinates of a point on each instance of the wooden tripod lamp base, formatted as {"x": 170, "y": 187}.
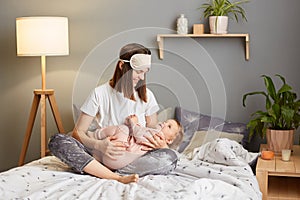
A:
{"x": 40, "y": 96}
{"x": 42, "y": 36}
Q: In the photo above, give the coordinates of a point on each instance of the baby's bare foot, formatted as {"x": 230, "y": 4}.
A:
{"x": 133, "y": 178}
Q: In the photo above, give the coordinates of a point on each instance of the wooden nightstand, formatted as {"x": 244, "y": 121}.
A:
{"x": 278, "y": 179}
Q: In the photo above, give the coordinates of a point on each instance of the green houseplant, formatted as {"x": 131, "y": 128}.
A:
{"x": 218, "y": 12}
{"x": 282, "y": 112}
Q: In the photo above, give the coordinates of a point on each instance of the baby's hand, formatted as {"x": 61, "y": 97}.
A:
{"x": 131, "y": 119}
{"x": 154, "y": 142}
{"x": 134, "y": 119}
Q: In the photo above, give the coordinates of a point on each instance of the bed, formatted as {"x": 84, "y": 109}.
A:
{"x": 207, "y": 168}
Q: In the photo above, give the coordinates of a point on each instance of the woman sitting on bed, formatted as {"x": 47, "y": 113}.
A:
{"x": 132, "y": 134}
{"x": 125, "y": 94}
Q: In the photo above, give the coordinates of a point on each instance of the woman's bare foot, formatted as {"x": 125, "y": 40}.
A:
{"x": 133, "y": 178}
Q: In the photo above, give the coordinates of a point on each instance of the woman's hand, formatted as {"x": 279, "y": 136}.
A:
{"x": 156, "y": 141}
{"x": 111, "y": 148}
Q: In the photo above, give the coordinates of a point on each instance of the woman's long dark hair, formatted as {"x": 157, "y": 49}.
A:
{"x": 122, "y": 78}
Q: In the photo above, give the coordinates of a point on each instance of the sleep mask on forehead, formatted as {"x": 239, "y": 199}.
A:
{"x": 139, "y": 61}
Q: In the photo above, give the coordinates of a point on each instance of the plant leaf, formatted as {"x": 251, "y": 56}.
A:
{"x": 288, "y": 115}
{"x": 270, "y": 87}
{"x": 284, "y": 88}
{"x": 253, "y": 93}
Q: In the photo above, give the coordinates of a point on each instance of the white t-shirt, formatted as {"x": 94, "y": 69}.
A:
{"x": 113, "y": 107}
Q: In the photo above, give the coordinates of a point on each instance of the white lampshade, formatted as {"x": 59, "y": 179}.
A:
{"x": 42, "y": 36}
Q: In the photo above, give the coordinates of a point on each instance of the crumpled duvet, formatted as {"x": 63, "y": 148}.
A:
{"x": 216, "y": 170}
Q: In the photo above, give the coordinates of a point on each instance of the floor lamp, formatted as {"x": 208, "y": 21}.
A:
{"x": 42, "y": 36}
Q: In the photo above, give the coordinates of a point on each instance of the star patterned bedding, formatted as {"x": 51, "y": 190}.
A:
{"x": 216, "y": 170}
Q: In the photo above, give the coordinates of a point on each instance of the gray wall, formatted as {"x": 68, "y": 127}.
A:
{"x": 205, "y": 75}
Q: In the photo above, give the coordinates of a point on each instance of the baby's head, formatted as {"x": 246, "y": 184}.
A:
{"x": 172, "y": 131}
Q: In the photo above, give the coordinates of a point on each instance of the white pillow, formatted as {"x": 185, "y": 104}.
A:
{"x": 202, "y": 137}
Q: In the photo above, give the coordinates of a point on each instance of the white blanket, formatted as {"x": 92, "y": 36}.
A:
{"x": 205, "y": 174}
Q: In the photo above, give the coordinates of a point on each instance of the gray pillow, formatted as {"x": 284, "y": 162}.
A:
{"x": 190, "y": 122}
{"x": 193, "y": 121}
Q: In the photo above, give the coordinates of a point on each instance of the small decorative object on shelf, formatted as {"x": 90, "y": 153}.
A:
{"x": 286, "y": 154}
{"x": 218, "y": 24}
{"x": 198, "y": 29}
{"x": 267, "y": 155}
{"x": 182, "y": 25}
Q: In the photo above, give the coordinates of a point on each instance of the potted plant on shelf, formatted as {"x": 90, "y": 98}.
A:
{"x": 218, "y": 12}
{"x": 280, "y": 118}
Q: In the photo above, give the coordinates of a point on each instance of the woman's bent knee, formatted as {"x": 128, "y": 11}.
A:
{"x": 70, "y": 151}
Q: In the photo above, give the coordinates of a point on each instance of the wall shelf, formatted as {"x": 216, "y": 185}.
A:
{"x": 160, "y": 40}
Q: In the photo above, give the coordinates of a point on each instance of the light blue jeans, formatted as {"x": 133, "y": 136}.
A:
{"x": 77, "y": 156}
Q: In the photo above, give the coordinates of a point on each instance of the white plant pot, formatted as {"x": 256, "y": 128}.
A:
{"x": 218, "y": 24}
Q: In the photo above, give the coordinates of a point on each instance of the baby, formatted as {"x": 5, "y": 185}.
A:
{"x": 132, "y": 134}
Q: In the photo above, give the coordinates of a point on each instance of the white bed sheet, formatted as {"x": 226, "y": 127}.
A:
{"x": 196, "y": 177}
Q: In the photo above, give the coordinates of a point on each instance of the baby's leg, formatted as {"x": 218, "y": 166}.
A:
{"x": 121, "y": 133}
{"x": 102, "y": 133}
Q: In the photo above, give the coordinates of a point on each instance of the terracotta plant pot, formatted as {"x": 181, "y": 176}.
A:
{"x": 280, "y": 139}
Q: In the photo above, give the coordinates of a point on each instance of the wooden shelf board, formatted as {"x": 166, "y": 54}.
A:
{"x": 160, "y": 40}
